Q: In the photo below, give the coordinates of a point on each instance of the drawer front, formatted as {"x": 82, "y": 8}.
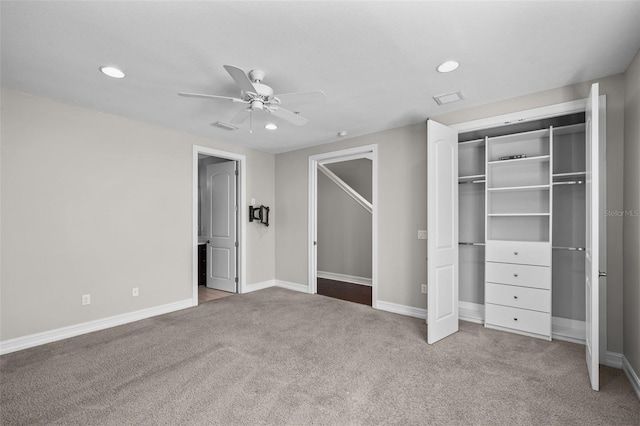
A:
{"x": 518, "y": 297}
{"x": 518, "y": 319}
{"x": 525, "y": 275}
{"x": 526, "y": 252}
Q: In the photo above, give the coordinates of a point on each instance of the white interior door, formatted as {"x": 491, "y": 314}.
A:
{"x": 442, "y": 231}
{"x": 221, "y": 226}
{"x": 592, "y": 260}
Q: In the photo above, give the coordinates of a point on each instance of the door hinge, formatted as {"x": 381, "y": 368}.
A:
{"x": 236, "y": 280}
{"x": 236, "y": 172}
{"x": 236, "y": 244}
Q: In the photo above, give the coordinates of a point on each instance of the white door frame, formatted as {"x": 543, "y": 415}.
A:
{"x": 366, "y": 151}
{"x": 564, "y": 108}
{"x": 242, "y": 216}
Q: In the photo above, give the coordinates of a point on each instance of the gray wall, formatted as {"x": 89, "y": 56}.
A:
{"x": 344, "y": 226}
{"x": 94, "y": 203}
{"x": 402, "y": 172}
{"x": 632, "y": 221}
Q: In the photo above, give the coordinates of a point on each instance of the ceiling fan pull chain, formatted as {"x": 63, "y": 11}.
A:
{"x": 250, "y": 122}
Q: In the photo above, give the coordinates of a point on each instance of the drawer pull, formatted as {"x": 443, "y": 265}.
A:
{"x": 515, "y": 297}
{"x": 515, "y": 275}
{"x": 515, "y": 319}
{"x": 515, "y": 252}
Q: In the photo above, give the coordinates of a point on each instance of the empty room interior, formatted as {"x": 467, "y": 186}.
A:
{"x": 313, "y": 212}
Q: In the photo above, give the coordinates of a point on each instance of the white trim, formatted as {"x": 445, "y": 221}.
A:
{"x": 292, "y": 286}
{"x": 346, "y": 188}
{"x": 472, "y": 312}
{"x": 631, "y": 375}
{"x": 409, "y": 311}
{"x": 346, "y": 278}
{"x": 365, "y": 151}
{"x": 259, "y": 286}
{"x": 37, "y": 339}
{"x": 612, "y": 359}
{"x": 276, "y": 283}
{"x": 522, "y": 116}
{"x": 242, "y": 215}
{"x": 568, "y": 330}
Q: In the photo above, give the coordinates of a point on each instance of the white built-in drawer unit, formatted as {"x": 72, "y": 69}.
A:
{"x": 523, "y": 252}
{"x": 518, "y": 297}
{"x": 538, "y": 323}
{"x": 516, "y": 274}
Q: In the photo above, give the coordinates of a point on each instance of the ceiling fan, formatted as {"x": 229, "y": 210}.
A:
{"x": 260, "y": 97}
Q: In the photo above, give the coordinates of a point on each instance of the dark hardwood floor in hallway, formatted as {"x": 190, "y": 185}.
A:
{"x": 350, "y": 292}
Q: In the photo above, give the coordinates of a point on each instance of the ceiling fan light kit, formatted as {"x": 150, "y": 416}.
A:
{"x": 260, "y": 97}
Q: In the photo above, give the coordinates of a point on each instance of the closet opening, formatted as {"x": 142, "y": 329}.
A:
{"x": 342, "y": 231}
{"x": 533, "y": 214}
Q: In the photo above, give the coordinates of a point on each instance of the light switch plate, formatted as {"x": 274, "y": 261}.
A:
{"x": 422, "y": 235}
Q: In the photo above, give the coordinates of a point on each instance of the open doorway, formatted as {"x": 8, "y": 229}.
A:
{"x": 342, "y": 224}
{"x": 218, "y": 224}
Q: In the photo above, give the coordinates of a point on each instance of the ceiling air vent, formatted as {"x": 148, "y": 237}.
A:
{"x": 225, "y": 126}
{"x": 448, "y": 98}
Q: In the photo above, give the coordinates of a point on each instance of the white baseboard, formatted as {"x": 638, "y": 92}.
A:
{"x": 472, "y": 312}
{"x": 612, "y": 359}
{"x": 37, "y": 339}
{"x": 258, "y": 286}
{"x": 631, "y": 375}
{"x": 568, "y": 330}
{"x": 276, "y": 283}
{"x": 292, "y": 286}
{"x": 402, "y": 309}
{"x": 346, "y": 278}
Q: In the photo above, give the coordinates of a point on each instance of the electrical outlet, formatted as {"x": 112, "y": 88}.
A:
{"x": 253, "y": 201}
{"x": 424, "y": 288}
{"x": 86, "y": 299}
{"x": 135, "y": 292}
{"x": 422, "y": 235}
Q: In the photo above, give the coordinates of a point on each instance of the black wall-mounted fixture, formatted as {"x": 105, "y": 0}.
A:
{"x": 259, "y": 214}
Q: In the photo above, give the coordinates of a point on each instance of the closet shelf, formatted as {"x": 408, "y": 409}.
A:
{"x": 519, "y": 188}
{"x": 540, "y": 158}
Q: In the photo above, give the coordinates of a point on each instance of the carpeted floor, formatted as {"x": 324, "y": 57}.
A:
{"x": 282, "y": 357}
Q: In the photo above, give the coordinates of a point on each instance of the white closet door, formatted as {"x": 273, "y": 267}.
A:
{"x": 442, "y": 231}
{"x": 592, "y": 260}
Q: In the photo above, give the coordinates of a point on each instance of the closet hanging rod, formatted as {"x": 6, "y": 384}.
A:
{"x": 470, "y": 244}
{"x": 568, "y": 248}
{"x": 570, "y": 182}
{"x": 472, "y": 181}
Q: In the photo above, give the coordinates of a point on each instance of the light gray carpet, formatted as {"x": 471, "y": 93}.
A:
{"x": 281, "y": 357}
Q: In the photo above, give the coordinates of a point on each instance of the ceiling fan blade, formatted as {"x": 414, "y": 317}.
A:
{"x": 199, "y": 95}
{"x": 241, "y": 116}
{"x": 287, "y": 115}
{"x": 316, "y": 96}
{"x": 241, "y": 78}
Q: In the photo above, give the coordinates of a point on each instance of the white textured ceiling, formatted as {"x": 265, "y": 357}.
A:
{"x": 374, "y": 60}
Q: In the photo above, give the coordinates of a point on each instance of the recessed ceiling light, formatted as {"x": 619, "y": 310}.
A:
{"x": 270, "y": 126}
{"x": 112, "y": 72}
{"x": 448, "y": 66}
